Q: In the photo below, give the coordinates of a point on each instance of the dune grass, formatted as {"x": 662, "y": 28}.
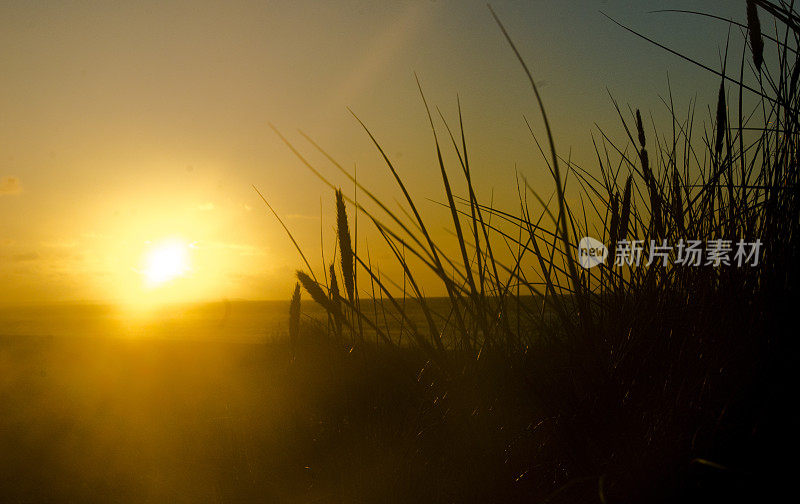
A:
{"x": 609, "y": 384}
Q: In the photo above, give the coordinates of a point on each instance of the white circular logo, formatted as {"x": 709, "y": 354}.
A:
{"x": 591, "y": 252}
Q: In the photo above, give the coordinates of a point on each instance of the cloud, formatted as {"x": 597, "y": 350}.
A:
{"x": 24, "y": 257}
{"x": 242, "y": 249}
{"x": 60, "y": 244}
{"x": 10, "y": 185}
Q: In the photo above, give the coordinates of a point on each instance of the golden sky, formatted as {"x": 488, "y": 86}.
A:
{"x": 129, "y": 129}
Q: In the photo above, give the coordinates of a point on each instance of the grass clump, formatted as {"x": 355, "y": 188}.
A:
{"x": 654, "y": 383}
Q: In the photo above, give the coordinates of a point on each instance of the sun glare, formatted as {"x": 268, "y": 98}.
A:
{"x": 164, "y": 262}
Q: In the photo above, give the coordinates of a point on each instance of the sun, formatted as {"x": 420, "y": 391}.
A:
{"x": 165, "y": 262}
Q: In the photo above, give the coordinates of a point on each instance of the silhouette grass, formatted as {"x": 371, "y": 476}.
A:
{"x": 656, "y": 383}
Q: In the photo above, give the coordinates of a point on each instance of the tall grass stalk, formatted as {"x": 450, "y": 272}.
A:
{"x": 615, "y": 381}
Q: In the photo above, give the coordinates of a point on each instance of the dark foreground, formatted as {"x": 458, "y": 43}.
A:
{"x": 116, "y": 420}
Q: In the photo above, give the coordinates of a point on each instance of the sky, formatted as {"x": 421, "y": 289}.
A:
{"x": 127, "y": 128}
